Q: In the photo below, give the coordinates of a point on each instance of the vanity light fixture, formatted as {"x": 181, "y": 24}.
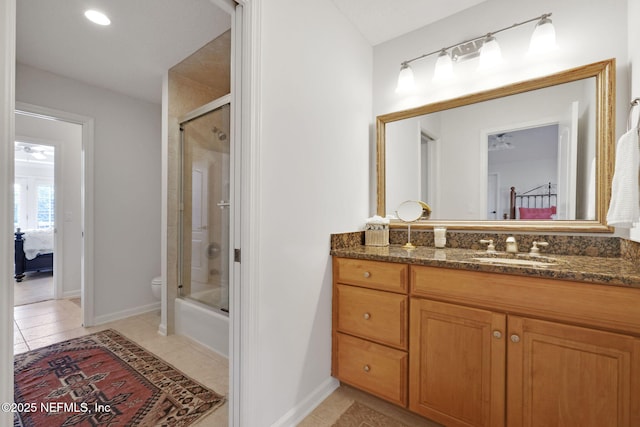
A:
{"x": 486, "y": 47}
{"x": 406, "y": 83}
{"x": 444, "y": 66}
{"x": 490, "y": 53}
{"x": 97, "y": 17}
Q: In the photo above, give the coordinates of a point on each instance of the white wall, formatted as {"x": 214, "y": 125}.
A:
{"x": 403, "y": 164}
{"x": 67, "y": 138}
{"x": 126, "y": 185}
{"x": 314, "y": 179}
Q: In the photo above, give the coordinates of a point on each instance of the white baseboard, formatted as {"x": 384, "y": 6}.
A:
{"x": 71, "y": 294}
{"x": 295, "y": 415}
{"x": 162, "y": 329}
{"x": 106, "y": 318}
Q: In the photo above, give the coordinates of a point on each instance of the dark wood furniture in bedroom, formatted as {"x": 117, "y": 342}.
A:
{"x": 42, "y": 262}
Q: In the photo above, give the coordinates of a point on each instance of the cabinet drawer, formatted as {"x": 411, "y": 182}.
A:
{"x": 372, "y": 367}
{"x": 372, "y": 274}
{"x": 376, "y": 315}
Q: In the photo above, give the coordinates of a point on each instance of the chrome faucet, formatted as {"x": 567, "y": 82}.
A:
{"x": 490, "y": 247}
{"x": 512, "y": 246}
{"x": 535, "y": 250}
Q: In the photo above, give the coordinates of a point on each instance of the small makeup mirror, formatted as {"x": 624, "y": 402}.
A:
{"x": 409, "y": 211}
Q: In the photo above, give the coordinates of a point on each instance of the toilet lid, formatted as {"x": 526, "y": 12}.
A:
{"x": 157, "y": 281}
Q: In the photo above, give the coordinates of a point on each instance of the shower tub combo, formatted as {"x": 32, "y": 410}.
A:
{"x": 202, "y": 306}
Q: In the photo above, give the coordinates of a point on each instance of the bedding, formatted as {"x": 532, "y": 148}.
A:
{"x": 537, "y": 213}
{"x": 33, "y": 251}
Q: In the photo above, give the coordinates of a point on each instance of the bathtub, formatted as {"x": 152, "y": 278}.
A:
{"x": 203, "y": 324}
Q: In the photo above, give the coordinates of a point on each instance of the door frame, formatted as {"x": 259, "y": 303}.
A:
{"x": 86, "y": 201}
{"x": 484, "y": 150}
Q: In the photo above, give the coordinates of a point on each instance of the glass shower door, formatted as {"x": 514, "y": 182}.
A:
{"x": 205, "y": 215}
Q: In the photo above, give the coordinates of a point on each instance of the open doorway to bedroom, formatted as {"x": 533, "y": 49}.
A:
{"x": 33, "y": 222}
{"x": 47, "y": 209}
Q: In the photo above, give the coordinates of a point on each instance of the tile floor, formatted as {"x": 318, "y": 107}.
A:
{"x": 34, "y": 287}
{"x": 44, "y": 323}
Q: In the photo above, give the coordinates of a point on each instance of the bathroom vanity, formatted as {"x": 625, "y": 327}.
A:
{"x": 466, "y": 342}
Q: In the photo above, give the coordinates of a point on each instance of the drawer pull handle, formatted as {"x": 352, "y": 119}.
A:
{"x": 515, "y": 338}
{"x": 497, "y": 334}
{"x": 366, "y": 368}
{"x": 366, "y": 316}
{"x": 366, "y": 274}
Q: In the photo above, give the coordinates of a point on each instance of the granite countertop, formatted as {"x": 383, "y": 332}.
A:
{"x": 601, "y": 270}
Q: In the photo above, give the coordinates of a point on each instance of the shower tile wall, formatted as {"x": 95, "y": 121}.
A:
{"x": 197, "y": 80}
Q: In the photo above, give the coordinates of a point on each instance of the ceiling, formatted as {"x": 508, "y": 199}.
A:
{"x": 383, "y": 20}
{"x": 147, "y": 37}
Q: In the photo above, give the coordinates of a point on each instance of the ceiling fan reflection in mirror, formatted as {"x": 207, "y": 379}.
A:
{"x": 500, "y": 142}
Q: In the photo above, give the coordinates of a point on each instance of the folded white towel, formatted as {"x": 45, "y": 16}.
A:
{"x": 624, "y": 208}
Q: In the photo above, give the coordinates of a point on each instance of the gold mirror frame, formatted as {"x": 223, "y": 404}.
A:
{"x": 604, "y": 73}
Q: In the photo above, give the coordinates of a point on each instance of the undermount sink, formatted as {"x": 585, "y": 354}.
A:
{"x": 515, "y": 259}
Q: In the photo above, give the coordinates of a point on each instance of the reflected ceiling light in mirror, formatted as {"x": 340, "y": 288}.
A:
{"x": 543, "y": 36}
{"x": 406, "y": 82}
{"x": 97, "y": 17}
{"x": 444, "y": 67}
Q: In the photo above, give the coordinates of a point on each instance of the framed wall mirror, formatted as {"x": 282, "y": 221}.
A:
{"x": 531, "y": 156}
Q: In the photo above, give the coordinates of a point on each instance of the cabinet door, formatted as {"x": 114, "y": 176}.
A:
{"x": 560, "y": 375}
{"x": 456, "y": 364}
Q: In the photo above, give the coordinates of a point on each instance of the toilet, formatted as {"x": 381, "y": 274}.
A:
{"x": 156, "y": 286}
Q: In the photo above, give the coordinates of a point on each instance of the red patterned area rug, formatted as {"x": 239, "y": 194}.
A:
{"x": 103, "y": 379}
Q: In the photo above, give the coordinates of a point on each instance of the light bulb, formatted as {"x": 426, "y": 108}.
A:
{"x": 490, "y": 54}
{"x": 406, "y": 82}
{"x": 543, "y": 38}
{"x": 444, "y": 67}
{"x": 97, "y": 17}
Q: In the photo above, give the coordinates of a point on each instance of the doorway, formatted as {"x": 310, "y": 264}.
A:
{"x": 70, "y": 138}
{"x": 34, "y": 204}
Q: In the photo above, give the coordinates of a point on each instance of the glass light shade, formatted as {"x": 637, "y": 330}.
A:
{"x": 543, "y": 38}
{"x": 444, "y": 67}
{"x": 406, "y": 83}
{"x": 490, "y": 53}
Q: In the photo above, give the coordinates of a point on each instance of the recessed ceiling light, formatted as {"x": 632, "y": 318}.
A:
{"x": 97, "y": 17}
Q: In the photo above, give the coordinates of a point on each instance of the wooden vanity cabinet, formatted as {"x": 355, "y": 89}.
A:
{"x": 370, "y": 327}
{"x": 457, "y": 364}
{"x": 562, "y": 375}
{"x": 478, "y": 349}
{"x": 468, "y": 348}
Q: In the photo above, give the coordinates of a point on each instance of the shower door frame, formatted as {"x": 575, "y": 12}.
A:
{"x": 190, "y": 116}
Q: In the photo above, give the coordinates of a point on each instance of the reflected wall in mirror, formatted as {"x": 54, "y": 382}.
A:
{"x": 550, "y": 138}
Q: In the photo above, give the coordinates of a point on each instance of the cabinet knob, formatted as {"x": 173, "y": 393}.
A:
{"x": 366, "y": 316}
{"x": 366, "y": 274}
{"x": 366, "y": 368}
{"x": 515, "y": 338}
{"x": 497, "y": 334}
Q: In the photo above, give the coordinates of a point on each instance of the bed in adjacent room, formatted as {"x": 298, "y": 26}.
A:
{"x": 33, "y": 251}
